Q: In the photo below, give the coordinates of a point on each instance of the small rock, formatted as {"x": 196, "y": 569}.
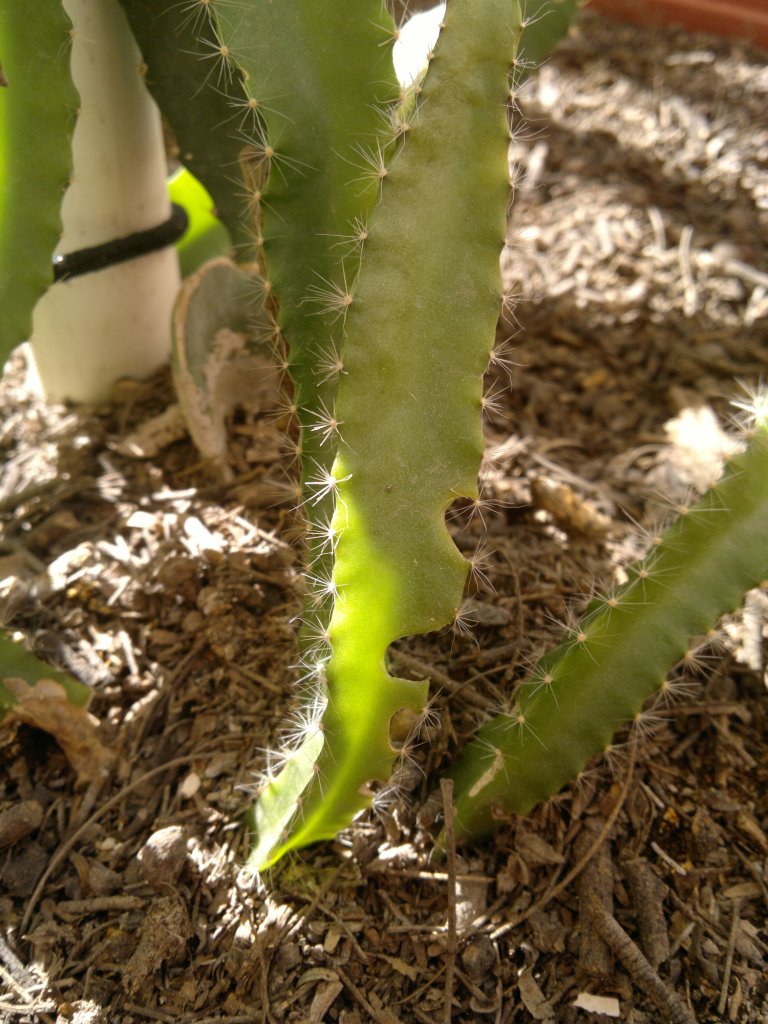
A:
{"x": 479, "y": 957}
{"x": 23, "y": 872}
{"x": 19, "y": 820}
{"x": 163, "y": 855}
{"x": 190, "y": 784}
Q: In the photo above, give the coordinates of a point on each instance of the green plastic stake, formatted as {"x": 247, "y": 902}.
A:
{"x": 205, "y": 237}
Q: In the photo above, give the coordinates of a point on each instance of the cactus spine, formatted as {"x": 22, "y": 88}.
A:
{"x": 597, "y": 681}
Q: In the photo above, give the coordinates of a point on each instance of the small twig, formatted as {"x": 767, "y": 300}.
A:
{"x": 596, "y": 880}
{"x": 428, "y": 984}
{"x": 669, "y": 1004}
{"x": 98, "y": 905}
{"x": 359, "y": 996}
{"x": 647, "y": 892}
{"x": 580, "y": 864}
{"x": 669, "y": 861}
{"x": 22, "y": 977}
{"x": 67, "y": 845}
{"x": 690, "y": 294}
{"x": 729, "y": 957}
{"x": 446, "y": 788}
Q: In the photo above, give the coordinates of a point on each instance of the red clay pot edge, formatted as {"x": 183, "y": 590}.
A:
{"x": 739, "y": 19}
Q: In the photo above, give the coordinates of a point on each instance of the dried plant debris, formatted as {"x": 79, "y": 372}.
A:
{"x": 637, "y": 245}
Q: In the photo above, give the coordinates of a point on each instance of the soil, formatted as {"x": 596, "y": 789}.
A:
{"x": 639, "y": 260}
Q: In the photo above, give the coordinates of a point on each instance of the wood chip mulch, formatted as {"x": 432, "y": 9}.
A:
{"x": 638, "y": 256}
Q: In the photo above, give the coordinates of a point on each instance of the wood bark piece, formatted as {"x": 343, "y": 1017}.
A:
{"x": 19, "y": 820}
{"x": 669, "y": 1004}
{"x": 595, "y": 883}
{"x": 163, "y": 937}
{"x": 647, "y": 891}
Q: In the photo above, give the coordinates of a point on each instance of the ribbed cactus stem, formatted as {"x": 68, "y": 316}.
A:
{"x": 93, "y": 329}
{"x": 620, "y": 654}
{"x": 37, "y": 111}
{"x": 418, "y": 332}
{"x": 315, "y": 96}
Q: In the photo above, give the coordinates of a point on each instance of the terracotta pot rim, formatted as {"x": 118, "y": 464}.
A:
{"x": 740, "y": 19}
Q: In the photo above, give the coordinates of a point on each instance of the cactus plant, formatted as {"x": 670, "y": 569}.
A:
{"x": 32, "y": 183}
{"x": 598, "y": 679}
{"x": 396, "y": 570}
{"x": 376, "y": 282}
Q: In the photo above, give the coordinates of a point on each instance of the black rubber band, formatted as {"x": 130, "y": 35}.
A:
{"x": 99, "y": 257}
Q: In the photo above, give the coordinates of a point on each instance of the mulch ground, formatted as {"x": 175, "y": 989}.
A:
{"x": 638, "y": 258}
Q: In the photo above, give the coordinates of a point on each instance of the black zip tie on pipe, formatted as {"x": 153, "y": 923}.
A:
{"x": 99, "y": 257}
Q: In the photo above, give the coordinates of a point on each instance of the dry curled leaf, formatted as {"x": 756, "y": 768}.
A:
{"x": 46, "y": 706}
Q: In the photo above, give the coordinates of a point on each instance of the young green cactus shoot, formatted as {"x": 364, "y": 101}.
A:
{"x": 583, "y": 691}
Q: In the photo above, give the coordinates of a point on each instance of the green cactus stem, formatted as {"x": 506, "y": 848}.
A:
{"x": 619, "y": 656}
{"x": 545, "y": 23}
{"x": 320, "y": 76}
{"x": 201, "y": 102}
{"x": 37, "y": 114}
{"x": 16, "y": 662}
{"x": 418, "y": 330}
{"x": 222, "y": 351}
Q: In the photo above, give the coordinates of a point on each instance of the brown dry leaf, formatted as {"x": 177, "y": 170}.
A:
{"x": 45, "y": 706}
{"x": 534, "y": 1000}
{"x": 324, "y": 997}
{"x": 606, "y": 1005}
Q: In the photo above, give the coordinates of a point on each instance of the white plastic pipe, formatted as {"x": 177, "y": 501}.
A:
{"x": 417, "y": 37}
{"x": 94, "y": 329}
